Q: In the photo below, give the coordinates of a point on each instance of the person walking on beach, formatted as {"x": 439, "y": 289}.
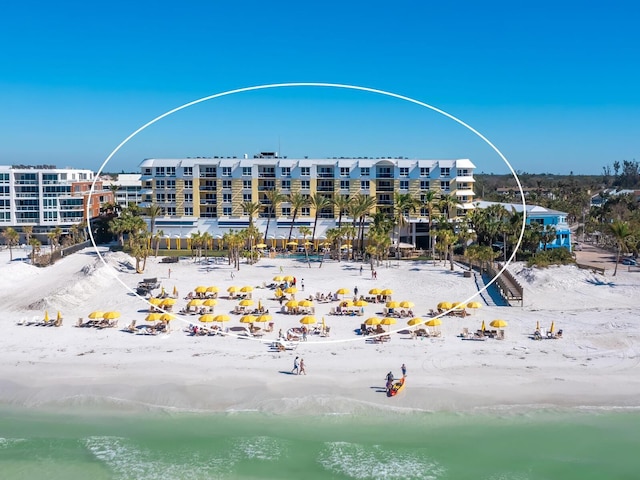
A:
{"x": 281, "y": 270}
{"x": 389, "y": 381}
{"x": 302, "y": 284}
{"x": 360, "y": 270}
{"x": 296, "y": 366}
{"x": 355, "y": 291}
{"x": 404, "y": 370}
{"x": 302, "y": 370}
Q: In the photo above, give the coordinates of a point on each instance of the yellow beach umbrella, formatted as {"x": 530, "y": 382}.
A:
{"x": 278, "y": 278}
{"x": 232, "y": 289}
{"x": 96, "y": 314}
{"x": 210, "y": 302}
{"x": 155, "y": 301}
{"x": 46, "y": 315}
{"x": 388, "y": 321}
{"x": 343, "y": 291}
{"x": 498, "y": 323}
{"x": 407, "y": 304}
{"x": 372, "y": 321}
{"x": 291, "y": 304}
{"x": 168, "y": 301}
{"x": 261, "y": 245}
{"x": 288, "y": 278}
{"x": 324, "y": 325}
{"x": 360, "y": 303}
{"x": 393, "y": 304}
{"x": 153, "y": 317}
{"x": 375, "y": 291}
{"x": 111, "y": 315}
{"x": 247, "y": 288}
{"x": 553, "y": 327}
{"x": 291, "y": 290}
{"x": 415, "y": 321}
{"x": 305, "y": 303}
{"x": 386, "y": 291}
{"x": 248, "y": 319}
{"x": 457, "y": 306}
{"x": 483, "y": 327}
{"x": 347, "y": 303}
{"x": 196, "y": 302}
{"x": 473, "y": 305}
{"x": 445, "y": 305}
{"x": 292, "y": 244}
{"x": 434, "y": 322}
{"x": 264, "y": 318}
{"x": 200, "y": 289}
{"x": 167, "y": 317}
{"x": 175, "y": 290}
{"x": 59, "y": 316}
{"x": 207, "y": 318}
{"x": 213, "y": 289}
{"x": 247, "y": 302}
{"x": 538, "y": 325}
{"x": 308, "y": 320}
{"x": 222, "y": 318}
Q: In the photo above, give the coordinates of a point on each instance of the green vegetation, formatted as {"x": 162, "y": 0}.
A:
{"x": 545, "y": 258}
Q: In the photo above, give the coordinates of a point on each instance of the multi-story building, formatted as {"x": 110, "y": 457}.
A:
{"x": 129, "y": 188}
{"x": 46, "y": 197}
{"x": 207, "y": 194}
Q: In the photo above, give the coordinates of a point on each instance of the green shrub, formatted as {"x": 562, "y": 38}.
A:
{"x": 556, "y": 256}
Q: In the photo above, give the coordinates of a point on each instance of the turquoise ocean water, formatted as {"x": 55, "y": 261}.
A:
{"x": 248, "y": 445}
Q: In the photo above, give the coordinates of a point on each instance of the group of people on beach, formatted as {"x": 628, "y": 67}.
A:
{"x": 298, "y": 366}
{"x": 390, "y": 378}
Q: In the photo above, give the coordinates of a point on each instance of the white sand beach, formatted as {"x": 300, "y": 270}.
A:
{"x": 594, "y": 365}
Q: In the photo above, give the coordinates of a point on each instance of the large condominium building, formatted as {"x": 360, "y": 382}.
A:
{"x": 129, "y": 188}
{"x": 46, "y": 197}
{"x": 207, "y": 194}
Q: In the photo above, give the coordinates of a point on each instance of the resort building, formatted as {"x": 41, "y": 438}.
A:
{"x": 546, "y": 217}
{"x": 46, "y": 197}
{"x": 129, "y": 188}
{"x": 207, "y": 194}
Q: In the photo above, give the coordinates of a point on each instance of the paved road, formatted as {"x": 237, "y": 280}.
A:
{"x": 591, "y": 255}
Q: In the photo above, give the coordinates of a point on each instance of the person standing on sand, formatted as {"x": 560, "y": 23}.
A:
{"x": 355, "y": 291}
{"x": 302, "y": 370}
{"x": 360, "y": 270}
{"x": 302, "y": 284}
{"x": 404, "y": 370}
{"x": 296, "y": 367}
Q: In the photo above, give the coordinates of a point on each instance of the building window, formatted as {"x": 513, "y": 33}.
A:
{"x": 286, "y": 171}
{"x": 171, "y": 197}
{"x": 226, "y": 211}
{"x": 188, "y": 184}
{"x": 246, "y": 197}
{"x": 305, "y": 212}
{"x": 226, "y": 184}
{"x": 445, "y": 172}
{"x": 171, "y": 184}
{"x": 344, "y": 184}
{"x": 286, "y": 211}
{"x": 159, "y": 183}
{"x": 159, "y": 197}
{"x": 344, "y": 171}
{"x": 305, "y": 184}
{"x": 464, "y": 173}
{"x": 404, "y": 171}
{"x": 226, "y": 198}
{"x": 305, "y": 171}
{"x": 188, "y": 197}
{"x": 171, "y": 171}
{"x": 424, "y": 184}
{"x": 246, "y": 171}
{"x": 404, "y": 184}
{"x": 246, "y": 184}
{"x": 188, "y": 211}
{"x": 286, "y": 184}
{"x": 444, "y": 186}
{"x": 146, "y": 171}
{"x": 159, "y": 171}
{"x": 188, "y": 171}
{"x": 365, "y": 171}
{"x": 171, "y": 211}
{"x": 226, "y": 171}
{"x": 424, "y": 171}
{"x": 364, "y": 185}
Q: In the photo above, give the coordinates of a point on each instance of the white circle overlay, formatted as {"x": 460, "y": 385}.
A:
{"x": 324, "y": 85}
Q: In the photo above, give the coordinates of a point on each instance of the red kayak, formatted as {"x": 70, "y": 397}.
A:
{"x": 397, "y": 387}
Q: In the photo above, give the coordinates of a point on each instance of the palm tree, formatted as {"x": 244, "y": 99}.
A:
{"x": 342, "y": 203}
{"x": 251, "y": 209}
{"x": 156, "y": 238}
{"x": 359, "y": 209}
{"x": 35, "y": 248}
{"x": 139, "y": 244}
{"x": 447, "y": 240}
{"x": 28, "y": 232}
{"x": 446, "y": 204}
{"x": 275, "y": 198}
{"x": 12, "y": 237}
{"x": 305, "y": 231}
{"x": 297, "y": 201}
{"x": 153, "y": 211}
{"x": 318, "y": 202}
{"x": 403, "y": 204}
{"x": 429, "y": 201}
{"x": 205, "y": 240}
{"x": 622, "y": 234}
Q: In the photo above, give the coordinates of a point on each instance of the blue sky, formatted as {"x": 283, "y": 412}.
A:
{"x": 554, "y": 87}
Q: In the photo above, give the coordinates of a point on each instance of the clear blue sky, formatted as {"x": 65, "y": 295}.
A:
{"x": 554, "y": 85}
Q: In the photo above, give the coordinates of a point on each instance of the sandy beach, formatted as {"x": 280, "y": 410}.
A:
{"x": 594, "y": 365}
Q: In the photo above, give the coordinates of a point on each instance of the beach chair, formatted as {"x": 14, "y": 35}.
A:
{"x": 500, "y": 335}
{"x": 332, "y": 311}
{"x": 131, "y": 328}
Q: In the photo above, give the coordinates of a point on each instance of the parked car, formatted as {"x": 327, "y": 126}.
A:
{"x": 628, "y": 261}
